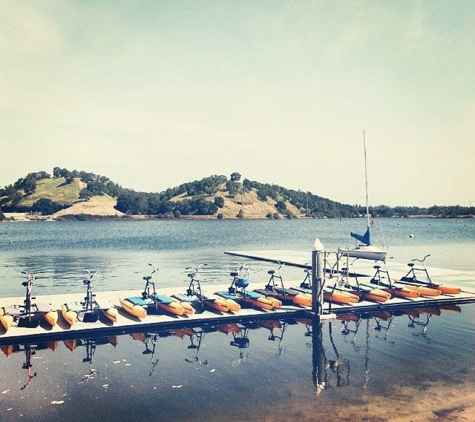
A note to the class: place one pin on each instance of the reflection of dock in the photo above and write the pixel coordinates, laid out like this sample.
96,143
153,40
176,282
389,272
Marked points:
331,366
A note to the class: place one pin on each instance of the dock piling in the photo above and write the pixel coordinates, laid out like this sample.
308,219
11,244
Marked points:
317,277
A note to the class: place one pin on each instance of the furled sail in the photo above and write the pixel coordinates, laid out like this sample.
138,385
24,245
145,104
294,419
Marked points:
365,238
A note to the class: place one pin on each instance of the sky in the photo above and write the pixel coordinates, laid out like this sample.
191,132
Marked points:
153,94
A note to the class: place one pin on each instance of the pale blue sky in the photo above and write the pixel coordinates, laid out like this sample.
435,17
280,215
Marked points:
153,94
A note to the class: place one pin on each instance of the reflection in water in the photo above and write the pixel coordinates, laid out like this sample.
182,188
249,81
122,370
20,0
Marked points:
29,351
150,341
345,355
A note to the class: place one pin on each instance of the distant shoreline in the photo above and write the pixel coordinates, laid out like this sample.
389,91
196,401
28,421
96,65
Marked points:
25,217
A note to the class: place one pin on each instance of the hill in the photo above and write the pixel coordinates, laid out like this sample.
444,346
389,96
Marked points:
80,195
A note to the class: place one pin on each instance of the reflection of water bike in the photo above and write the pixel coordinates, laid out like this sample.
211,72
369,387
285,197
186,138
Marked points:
90,345
239,293
215,303
196,340
152,302
411,280
277,290
150,340
26,315
242,342
30,351
90,308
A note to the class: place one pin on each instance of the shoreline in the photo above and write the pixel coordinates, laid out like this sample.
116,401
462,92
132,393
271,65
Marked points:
25,217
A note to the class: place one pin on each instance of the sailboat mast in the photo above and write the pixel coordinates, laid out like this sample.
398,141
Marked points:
366,178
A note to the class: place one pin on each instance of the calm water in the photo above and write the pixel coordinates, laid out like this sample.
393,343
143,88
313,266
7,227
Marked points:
263,372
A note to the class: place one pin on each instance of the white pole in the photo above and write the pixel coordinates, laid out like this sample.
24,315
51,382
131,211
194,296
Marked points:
317,277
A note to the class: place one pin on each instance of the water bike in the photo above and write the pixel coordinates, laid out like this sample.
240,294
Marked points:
400,291
411,279
151,302
213,302
286,295
340,293
90,308
30,313
238,291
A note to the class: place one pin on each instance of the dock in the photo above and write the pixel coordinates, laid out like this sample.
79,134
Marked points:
127,323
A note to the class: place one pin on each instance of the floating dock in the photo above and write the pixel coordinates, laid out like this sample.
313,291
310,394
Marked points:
203,316
127,323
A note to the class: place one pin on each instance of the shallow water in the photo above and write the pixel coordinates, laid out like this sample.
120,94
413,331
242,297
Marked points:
378,367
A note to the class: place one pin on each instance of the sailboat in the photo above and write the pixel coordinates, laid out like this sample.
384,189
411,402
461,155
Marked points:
364,249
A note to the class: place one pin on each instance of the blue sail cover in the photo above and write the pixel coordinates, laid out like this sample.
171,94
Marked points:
365,238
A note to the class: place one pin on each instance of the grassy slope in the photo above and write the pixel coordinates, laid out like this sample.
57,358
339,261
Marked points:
97,205
56,190
253,206
59,192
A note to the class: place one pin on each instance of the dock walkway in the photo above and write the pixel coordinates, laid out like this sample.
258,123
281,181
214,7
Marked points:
127,323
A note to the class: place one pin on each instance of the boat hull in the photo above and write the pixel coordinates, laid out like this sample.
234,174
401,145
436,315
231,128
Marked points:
5,320
422,290
302,299
173,307
135,310
404,293
187,307
51,317
217,304
371,253
448,290
377,295
340,297
111,314
233,306
69,315
261,303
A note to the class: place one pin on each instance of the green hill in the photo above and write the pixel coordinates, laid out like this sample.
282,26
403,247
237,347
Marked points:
80,195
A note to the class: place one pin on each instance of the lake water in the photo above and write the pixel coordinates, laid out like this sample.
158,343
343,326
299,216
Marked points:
378,367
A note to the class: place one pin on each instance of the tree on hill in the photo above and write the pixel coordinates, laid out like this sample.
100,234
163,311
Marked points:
219,201
46,206
200,198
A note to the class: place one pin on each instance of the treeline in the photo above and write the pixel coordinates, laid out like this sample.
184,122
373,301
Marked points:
161,204
200,198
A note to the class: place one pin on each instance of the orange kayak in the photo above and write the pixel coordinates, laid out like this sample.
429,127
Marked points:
448,290
340,297
217,304
133,309
422,290
302,299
